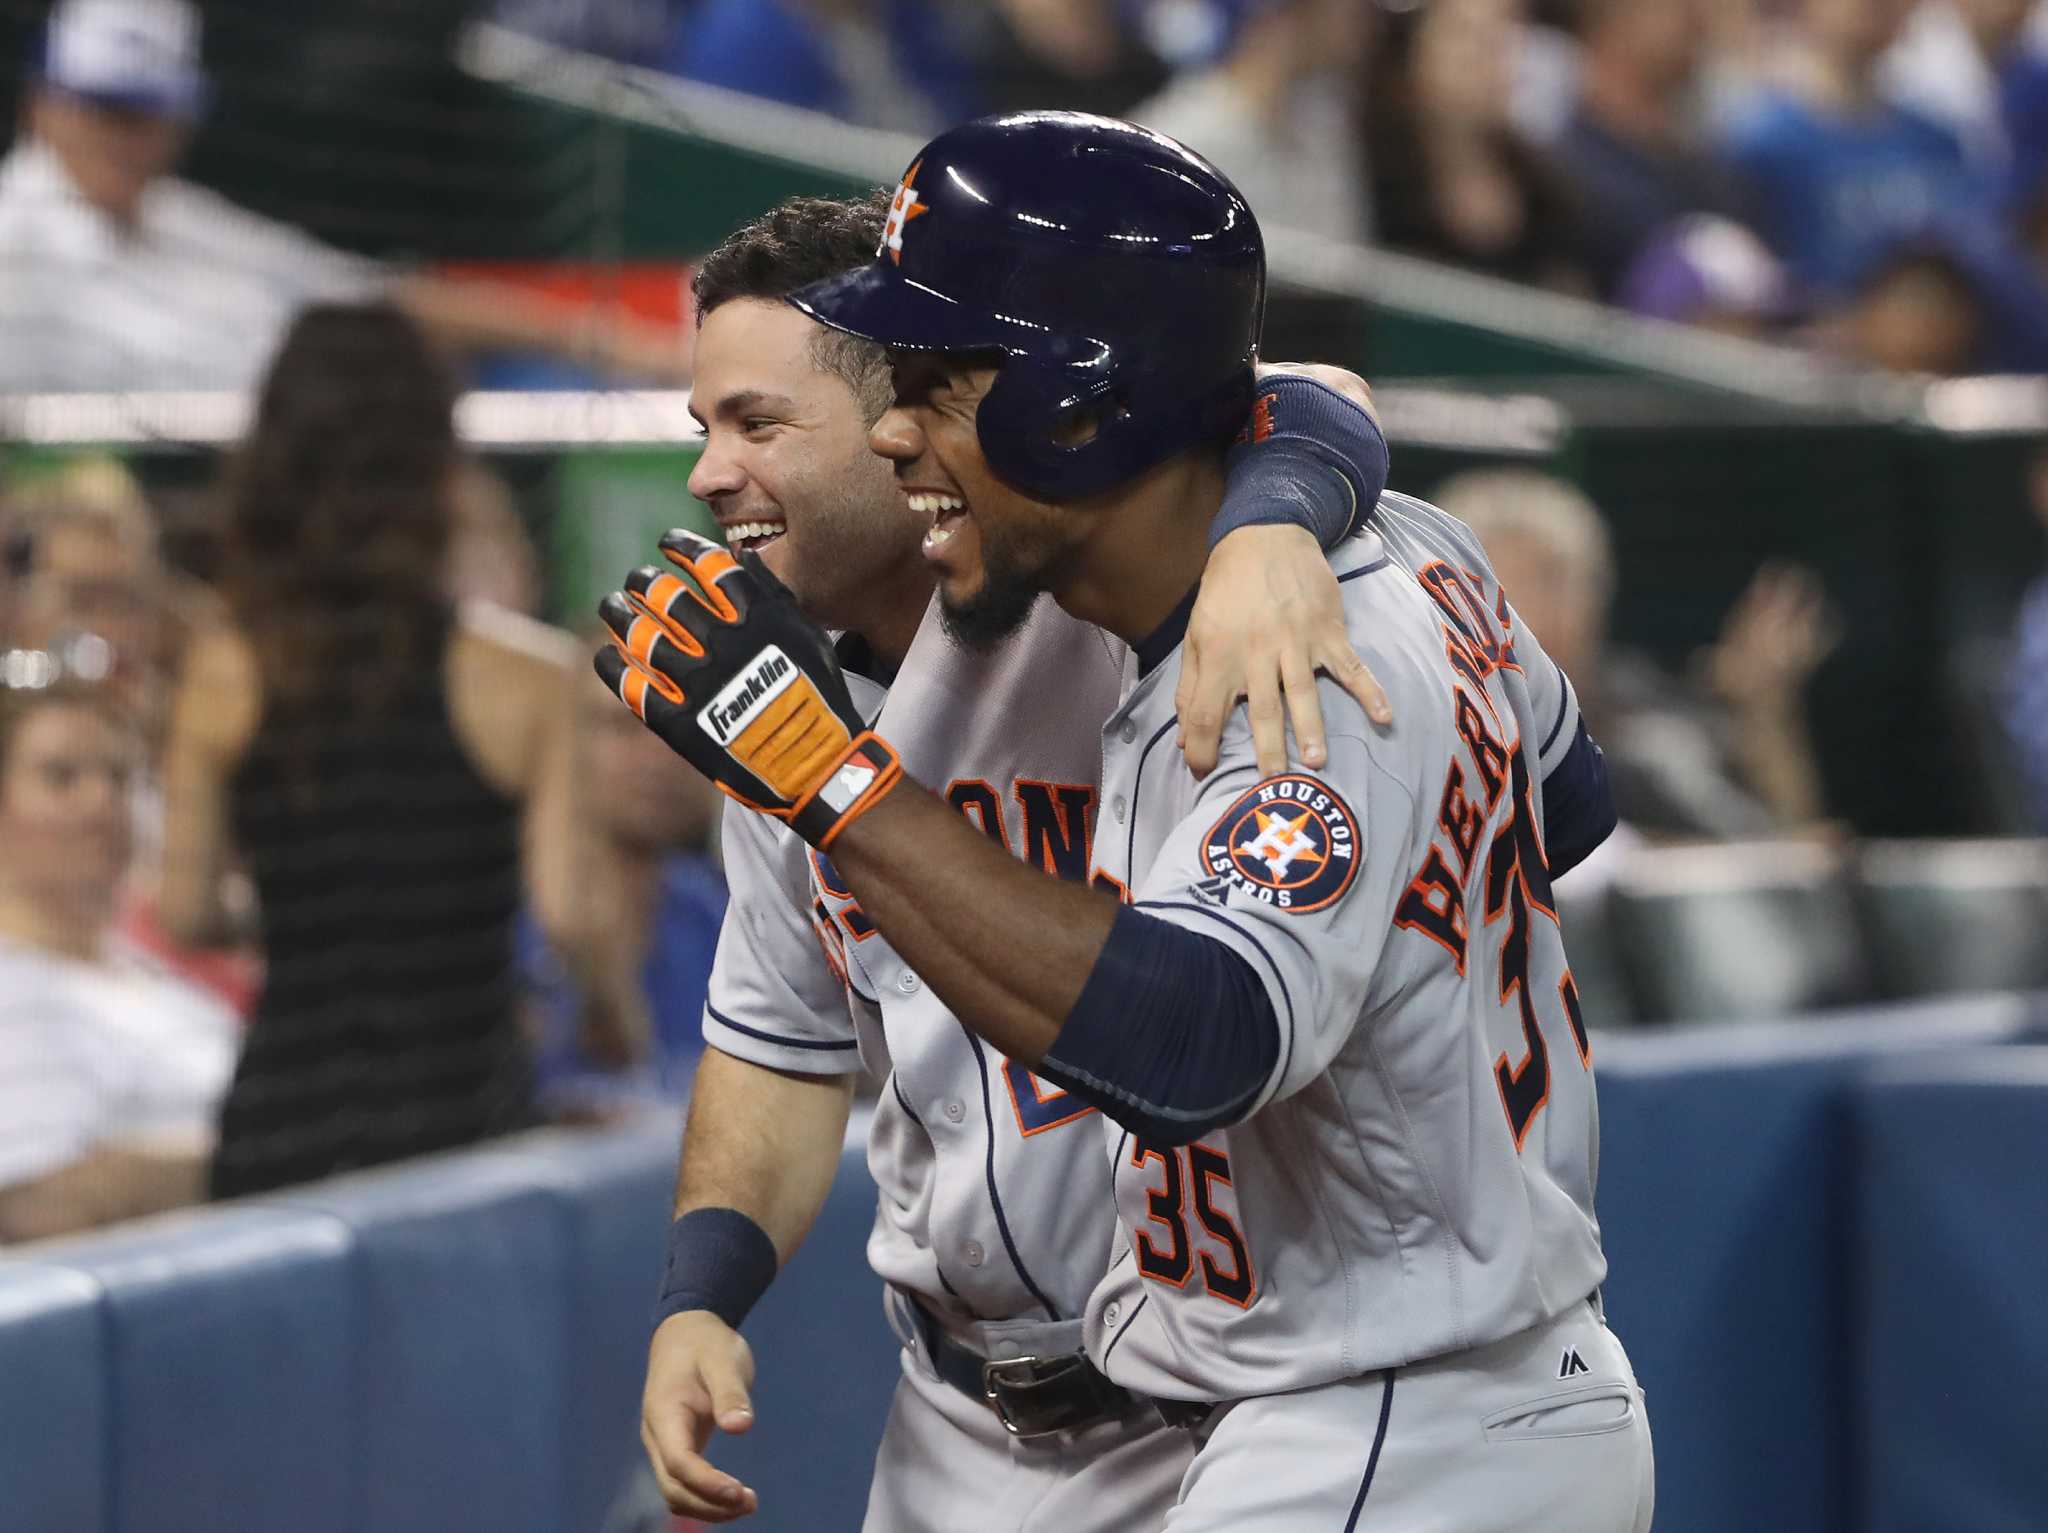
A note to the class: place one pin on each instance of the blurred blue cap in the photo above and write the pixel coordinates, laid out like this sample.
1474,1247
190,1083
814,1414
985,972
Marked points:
139,54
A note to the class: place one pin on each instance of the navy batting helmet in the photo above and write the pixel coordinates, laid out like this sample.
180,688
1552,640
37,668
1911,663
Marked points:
1121,276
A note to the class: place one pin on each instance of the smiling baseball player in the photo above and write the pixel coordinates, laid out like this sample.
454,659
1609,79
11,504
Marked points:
1329,1019
995,1219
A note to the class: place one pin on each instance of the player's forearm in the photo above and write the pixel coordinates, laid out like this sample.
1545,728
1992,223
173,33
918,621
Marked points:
1006,947
764,1142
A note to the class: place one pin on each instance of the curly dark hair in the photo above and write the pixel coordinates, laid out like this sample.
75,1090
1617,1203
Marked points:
338,509
794,244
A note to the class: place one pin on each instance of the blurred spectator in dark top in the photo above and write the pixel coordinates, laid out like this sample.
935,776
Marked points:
1711,273
1629,148
1723,756
879,63
1274,108
653,894
393,771
2026,685
1080,55
110,1069
1835,173
1451,178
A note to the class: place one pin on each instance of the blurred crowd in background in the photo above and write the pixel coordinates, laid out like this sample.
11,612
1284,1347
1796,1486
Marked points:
1866,177
319,848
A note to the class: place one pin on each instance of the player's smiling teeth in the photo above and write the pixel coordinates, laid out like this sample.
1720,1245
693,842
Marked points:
743,535
944,510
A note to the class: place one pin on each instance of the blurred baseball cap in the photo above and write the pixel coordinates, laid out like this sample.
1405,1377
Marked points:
139,54
1704,265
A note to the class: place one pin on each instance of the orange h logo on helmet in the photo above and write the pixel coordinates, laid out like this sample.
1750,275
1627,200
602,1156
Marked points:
901,211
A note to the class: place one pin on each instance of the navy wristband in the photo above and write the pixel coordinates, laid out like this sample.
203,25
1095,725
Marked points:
1311,458
718,1259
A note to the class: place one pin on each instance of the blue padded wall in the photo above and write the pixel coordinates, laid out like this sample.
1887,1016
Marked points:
458,1343
615,1191
460,1274
1952,1317
53,1401
228,1369
1725,1182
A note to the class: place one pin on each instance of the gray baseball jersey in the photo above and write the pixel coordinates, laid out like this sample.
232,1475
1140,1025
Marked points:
1416,1177
995,1201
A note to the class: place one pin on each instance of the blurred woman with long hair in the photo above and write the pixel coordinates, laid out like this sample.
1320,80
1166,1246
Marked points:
392,772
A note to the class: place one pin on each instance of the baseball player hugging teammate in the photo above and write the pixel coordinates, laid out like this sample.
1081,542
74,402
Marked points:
1315,1020
995,1219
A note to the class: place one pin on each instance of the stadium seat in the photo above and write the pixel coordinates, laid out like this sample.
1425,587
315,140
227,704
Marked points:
229,1360
1952,1337
54,1430
1950,916
616,1189
1741,931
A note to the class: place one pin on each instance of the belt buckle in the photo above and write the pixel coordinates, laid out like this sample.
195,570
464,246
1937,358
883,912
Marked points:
1004,1379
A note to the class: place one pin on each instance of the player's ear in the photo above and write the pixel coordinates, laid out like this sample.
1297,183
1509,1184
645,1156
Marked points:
1082,424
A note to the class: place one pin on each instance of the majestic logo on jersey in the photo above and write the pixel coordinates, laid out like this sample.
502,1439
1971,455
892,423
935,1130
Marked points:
1289,842
901,212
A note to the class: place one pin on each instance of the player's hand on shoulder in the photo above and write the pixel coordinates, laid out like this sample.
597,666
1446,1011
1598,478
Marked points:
1269,616
700,1372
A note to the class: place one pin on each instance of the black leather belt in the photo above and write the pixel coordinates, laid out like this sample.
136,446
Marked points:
1041,1396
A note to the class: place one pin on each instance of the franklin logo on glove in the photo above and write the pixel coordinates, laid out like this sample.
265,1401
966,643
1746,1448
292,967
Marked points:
730,710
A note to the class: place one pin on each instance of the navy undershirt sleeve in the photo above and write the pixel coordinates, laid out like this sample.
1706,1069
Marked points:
1282,472
1578,805
1173,1035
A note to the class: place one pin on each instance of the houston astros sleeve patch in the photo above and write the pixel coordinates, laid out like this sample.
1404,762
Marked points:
1290,842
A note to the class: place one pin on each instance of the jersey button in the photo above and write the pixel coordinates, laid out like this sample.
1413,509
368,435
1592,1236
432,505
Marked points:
1110,1313
955,1112
1128,733
973,1253
907,982
1117,809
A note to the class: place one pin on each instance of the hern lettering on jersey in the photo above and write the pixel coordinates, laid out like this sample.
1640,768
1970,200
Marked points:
1289,842
739,699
